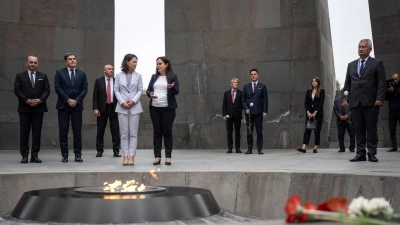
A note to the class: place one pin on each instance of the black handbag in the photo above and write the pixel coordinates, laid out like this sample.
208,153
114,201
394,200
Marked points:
311,125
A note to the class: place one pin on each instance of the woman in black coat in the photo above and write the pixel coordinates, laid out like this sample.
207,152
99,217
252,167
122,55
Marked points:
314,104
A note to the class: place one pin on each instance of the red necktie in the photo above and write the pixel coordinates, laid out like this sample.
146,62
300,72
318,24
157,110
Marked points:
108,91
254,89
233,96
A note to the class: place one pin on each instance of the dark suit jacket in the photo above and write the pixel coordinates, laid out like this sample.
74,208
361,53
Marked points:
233,109
171,92
23,90
315,105
259,98
100,95
368,88
337,110
65,90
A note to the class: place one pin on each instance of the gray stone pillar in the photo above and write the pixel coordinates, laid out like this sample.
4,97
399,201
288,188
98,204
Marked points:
211,41
49,29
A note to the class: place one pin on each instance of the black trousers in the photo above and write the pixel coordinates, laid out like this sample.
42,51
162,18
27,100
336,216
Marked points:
163,119
394,118
108,114
317,132
365,120
342,127
230,123
251,121
65,116
26,122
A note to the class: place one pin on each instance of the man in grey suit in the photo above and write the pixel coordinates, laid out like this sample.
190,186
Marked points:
366,83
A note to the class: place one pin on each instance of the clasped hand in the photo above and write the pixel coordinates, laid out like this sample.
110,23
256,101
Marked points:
311,115
33,102
128,104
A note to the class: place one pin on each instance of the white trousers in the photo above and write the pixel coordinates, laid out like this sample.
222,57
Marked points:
128,127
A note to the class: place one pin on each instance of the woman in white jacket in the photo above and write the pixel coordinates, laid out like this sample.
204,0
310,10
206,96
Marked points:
128,89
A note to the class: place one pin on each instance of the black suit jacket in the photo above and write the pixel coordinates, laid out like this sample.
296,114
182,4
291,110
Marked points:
337,110
65,90
368,88
315,105
23,90
233,109
100,95
259,98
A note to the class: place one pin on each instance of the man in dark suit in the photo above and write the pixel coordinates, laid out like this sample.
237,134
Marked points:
255,104
32,89
232,114
366,82
71,86
343,123
104,103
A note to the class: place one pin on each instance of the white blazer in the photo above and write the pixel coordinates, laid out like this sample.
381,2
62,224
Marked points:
123,93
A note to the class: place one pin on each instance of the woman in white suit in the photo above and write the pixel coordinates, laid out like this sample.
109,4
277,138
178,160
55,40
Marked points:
128,89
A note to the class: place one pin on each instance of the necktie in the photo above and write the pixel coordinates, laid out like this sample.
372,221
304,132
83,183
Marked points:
233,96
32,80
254,87
108,91
72,77
361,67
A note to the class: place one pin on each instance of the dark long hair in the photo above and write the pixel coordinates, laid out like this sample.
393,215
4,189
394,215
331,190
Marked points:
169,72
318,87
128,57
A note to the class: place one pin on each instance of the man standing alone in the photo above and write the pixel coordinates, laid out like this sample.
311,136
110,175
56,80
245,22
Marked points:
232,114
71,86
104,103
32,89
366,82
255,104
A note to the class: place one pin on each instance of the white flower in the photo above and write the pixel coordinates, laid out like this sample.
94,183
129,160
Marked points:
346,93
227,116
380,205
251,104
364,207
357,206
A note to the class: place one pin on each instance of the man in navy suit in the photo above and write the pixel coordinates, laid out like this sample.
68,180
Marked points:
255,104
232,114
32,89
104,103
366,82
71,86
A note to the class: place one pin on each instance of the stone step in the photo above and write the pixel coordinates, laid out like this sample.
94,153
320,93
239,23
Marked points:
335,144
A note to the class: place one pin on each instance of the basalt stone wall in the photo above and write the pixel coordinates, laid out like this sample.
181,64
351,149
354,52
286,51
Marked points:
49,29
385,24
211,41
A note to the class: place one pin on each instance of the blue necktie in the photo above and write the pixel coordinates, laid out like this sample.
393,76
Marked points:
72,77
361,67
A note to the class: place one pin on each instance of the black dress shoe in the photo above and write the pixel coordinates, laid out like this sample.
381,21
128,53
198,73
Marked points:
372,158
260,152
78,159
238,151
116,154
351,149
24,159
36,159
229,151
99,154
392,150
157,163
64,160
341,150
315,151
358,158
301,150
248,152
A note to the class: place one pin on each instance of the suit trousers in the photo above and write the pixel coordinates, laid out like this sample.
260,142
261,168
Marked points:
128,128
342,127
163,120
230,123
65,116
365,120
108,114
26,121
317,132
251,121
394,118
